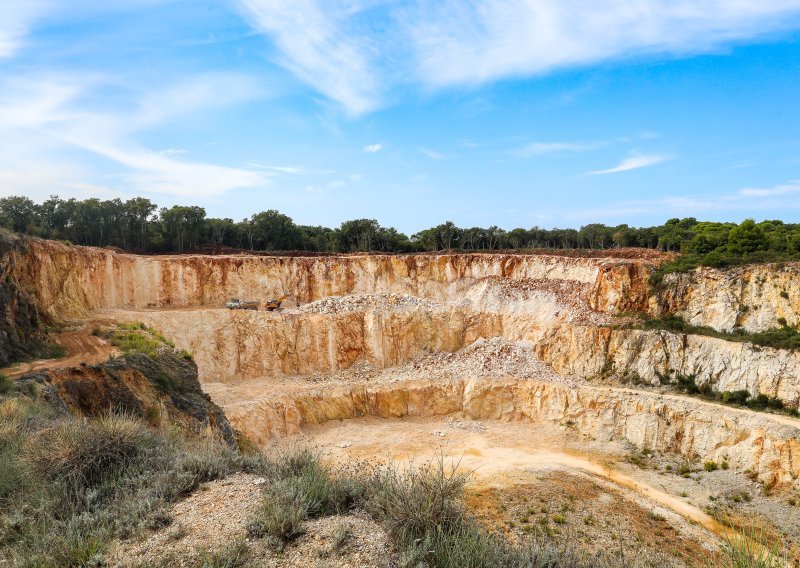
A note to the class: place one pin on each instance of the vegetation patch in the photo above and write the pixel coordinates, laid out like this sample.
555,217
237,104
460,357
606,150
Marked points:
687,384
783,337
133,338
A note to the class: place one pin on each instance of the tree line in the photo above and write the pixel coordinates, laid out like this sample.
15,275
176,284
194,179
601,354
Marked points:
139,225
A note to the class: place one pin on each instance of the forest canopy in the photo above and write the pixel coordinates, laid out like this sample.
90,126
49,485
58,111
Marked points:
139,225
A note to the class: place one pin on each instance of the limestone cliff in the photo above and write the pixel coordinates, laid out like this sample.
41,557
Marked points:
763,444
71,281
21,333
163,390
752,297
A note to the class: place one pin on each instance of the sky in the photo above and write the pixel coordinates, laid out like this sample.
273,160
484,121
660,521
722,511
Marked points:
515,113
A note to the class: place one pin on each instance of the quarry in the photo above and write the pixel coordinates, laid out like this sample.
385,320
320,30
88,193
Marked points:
534,372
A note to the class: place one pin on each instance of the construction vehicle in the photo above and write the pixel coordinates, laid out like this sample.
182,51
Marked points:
237,304
275,305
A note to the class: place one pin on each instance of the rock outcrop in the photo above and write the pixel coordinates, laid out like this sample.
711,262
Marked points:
163,390
763,444
21,333
753,297
72,282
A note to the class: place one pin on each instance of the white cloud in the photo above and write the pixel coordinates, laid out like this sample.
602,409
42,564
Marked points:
373,148
45,117
357,51
16,21
634,162
744,201
783,189
432,154
323,45
173,152
540,148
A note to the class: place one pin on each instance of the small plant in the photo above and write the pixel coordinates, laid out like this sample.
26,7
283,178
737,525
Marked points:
710,466
559,519
342,536
784,294
6,384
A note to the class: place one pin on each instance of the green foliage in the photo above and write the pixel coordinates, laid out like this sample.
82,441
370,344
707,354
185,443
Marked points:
760,402
783,337
6,384
69,486
137,224
132,338
747,548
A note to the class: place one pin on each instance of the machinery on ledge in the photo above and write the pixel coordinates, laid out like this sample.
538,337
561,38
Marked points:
237,304
275,305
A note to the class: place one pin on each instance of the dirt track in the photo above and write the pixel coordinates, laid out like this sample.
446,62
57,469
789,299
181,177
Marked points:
81,347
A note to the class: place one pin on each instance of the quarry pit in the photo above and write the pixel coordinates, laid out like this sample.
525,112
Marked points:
530,370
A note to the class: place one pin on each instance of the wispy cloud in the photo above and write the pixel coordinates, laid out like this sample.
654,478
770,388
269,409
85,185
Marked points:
372,148
634,162
49,115
539,148
323,44
783,189
432,154
355,52
16,22
744,201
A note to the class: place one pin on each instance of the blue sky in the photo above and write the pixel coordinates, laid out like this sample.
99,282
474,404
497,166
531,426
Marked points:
494,112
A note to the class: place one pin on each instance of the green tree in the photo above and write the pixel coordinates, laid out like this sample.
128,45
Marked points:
747,238
17,213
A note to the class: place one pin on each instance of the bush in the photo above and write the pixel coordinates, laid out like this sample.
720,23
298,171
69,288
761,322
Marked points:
6,384
418,503
710,466
82,455
280,514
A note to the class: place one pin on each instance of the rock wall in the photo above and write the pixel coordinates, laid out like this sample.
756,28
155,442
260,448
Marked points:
763,444
162,390
71,281
236,345
21,333
589,352
751,297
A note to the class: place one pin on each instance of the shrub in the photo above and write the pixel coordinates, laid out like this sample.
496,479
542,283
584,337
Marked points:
280,514
82,455
418,503
710,466
6,384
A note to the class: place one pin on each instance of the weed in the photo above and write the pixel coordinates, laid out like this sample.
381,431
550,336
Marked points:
710,466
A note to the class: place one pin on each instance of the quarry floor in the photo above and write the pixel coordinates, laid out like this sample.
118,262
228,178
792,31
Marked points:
530,480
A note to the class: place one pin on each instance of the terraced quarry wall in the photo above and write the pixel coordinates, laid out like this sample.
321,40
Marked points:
389,311
71,281
752,297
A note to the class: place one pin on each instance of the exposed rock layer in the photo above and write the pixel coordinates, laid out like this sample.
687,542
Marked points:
163,390
765,445
71,282
753,297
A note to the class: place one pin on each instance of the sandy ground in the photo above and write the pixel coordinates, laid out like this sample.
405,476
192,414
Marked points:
81,347
512,455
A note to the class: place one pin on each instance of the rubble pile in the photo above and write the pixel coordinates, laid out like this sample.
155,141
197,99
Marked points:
493,358
391,301
570,296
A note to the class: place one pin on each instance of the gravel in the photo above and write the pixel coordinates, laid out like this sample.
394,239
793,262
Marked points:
391,301
493,358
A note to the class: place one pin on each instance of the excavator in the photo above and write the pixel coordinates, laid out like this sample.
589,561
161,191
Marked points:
275,305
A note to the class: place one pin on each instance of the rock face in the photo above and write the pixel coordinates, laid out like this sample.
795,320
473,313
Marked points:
163,390
71,282
745,440
20,326
751,297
